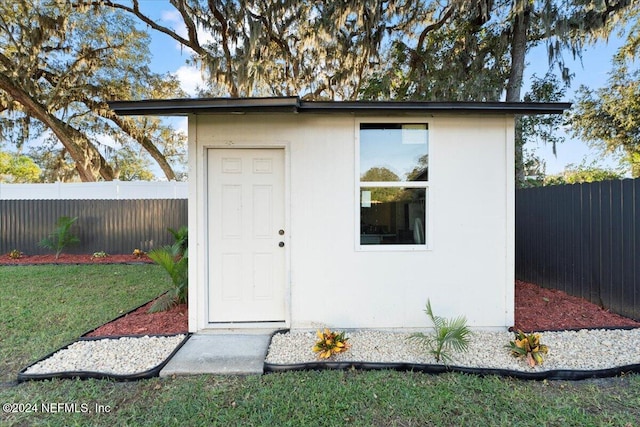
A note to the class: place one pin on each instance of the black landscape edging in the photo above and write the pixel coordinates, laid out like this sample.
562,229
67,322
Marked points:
556,374
150,373
26,377
591,328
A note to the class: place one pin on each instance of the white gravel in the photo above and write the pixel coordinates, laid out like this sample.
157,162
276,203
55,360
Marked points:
584,350
571,350
119,356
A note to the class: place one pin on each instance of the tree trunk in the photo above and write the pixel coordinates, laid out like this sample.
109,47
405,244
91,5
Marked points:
522,14
102,109
153,151
88,161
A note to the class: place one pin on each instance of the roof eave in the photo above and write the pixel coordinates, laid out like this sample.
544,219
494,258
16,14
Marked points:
295,105
438,107
204,105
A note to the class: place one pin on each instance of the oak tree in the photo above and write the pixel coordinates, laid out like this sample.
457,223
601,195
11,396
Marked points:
399,49
59,64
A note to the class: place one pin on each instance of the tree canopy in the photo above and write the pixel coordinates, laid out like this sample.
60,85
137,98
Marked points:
61,60
382,49
609,117
577,174
426,49
18,169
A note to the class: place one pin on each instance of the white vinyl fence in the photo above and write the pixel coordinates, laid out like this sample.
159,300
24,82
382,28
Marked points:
108,190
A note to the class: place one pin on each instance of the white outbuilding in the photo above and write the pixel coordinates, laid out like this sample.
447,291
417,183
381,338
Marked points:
348,214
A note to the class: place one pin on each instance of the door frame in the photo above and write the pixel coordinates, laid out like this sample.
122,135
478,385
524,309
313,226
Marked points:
204,284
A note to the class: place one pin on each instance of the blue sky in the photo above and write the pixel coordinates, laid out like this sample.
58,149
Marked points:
592,71
168,56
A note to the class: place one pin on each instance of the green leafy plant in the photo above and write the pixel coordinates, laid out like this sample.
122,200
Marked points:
529,347
449,334
15,254
181,236
100,254
61,237
174,260
330,343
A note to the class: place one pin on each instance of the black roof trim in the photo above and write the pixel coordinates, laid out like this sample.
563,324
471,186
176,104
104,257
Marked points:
296,105
407,106
204,105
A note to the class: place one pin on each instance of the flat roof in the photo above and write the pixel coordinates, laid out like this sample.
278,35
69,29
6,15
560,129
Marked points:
293,104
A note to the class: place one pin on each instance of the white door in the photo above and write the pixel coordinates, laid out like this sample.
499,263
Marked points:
246,235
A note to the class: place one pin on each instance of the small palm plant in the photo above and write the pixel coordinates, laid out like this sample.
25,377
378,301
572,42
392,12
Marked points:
175,262
61,237
450,334
181,236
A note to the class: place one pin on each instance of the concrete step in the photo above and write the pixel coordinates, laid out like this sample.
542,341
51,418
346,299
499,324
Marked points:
220,353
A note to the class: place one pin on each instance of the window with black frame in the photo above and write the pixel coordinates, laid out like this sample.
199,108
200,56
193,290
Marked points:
393,185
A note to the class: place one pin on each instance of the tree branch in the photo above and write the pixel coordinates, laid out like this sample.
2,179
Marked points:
435,26
192,42
127,126
86,157
415,53
224,33
275,38
101,109
73,67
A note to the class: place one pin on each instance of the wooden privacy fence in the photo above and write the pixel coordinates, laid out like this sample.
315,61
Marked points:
112,226
583,239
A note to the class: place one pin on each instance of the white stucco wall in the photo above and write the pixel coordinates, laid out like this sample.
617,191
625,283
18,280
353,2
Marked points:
467,270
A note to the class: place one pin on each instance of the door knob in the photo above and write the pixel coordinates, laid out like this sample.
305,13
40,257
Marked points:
281,244
281,232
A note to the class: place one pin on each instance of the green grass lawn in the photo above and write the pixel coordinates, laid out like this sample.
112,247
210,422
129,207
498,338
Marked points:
45,307
42,308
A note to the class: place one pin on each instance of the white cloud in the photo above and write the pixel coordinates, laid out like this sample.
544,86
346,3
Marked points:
174,21
181,124
190,79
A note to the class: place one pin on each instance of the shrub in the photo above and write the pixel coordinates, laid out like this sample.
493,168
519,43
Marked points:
528,346
330,343
174,260
181,236
176,264
449,334
15,254
138,253
100,254
61,237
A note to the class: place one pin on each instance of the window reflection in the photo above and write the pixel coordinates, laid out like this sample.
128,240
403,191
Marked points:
393,216
393,152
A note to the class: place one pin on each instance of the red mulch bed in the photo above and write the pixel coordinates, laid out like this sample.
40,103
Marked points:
72,259
140,322
539,309
536,308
